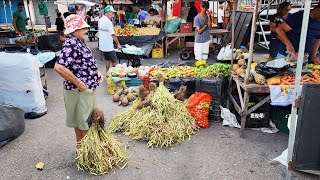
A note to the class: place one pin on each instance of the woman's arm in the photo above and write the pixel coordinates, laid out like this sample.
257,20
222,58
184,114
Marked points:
68,75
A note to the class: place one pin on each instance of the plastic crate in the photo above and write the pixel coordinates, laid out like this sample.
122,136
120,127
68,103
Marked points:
214,88
134,82
8,34
186,27
157,53
49,42
257,119
10,40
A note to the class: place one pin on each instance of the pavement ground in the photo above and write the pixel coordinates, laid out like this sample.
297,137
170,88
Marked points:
214,153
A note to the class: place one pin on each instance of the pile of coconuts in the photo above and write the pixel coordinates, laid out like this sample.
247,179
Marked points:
125,96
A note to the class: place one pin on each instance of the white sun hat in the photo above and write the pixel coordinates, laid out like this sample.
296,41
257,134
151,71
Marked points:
74,22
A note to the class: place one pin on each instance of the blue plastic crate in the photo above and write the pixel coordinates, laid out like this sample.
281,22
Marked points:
134,82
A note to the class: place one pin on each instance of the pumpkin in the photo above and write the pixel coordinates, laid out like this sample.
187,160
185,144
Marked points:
273,81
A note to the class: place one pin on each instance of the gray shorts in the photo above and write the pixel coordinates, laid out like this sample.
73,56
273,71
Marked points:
111,56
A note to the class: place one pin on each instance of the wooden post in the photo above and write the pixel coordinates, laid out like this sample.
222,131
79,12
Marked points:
243,116
165,14
232,28
253,32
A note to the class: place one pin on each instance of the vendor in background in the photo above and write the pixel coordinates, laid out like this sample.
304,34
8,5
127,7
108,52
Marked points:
289,34
193,12
59,23
152,20
275,21
89,15
160,10
202,23
18,21
130,15
142,15
79,68
155,12
121,15
220,16
107,36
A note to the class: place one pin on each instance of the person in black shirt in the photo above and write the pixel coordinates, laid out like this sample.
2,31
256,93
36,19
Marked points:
193,12
59,23
89,16
275,21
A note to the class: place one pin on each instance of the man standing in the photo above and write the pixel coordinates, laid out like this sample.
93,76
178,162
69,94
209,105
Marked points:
220,16
202,23
289,33
107,36
142,15
18,21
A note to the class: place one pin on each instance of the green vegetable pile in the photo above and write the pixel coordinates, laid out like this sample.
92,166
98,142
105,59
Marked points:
163,123
99,151
216,70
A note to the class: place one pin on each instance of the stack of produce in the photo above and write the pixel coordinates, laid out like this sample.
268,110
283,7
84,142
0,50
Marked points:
99,151
286,79
122,69
125,96
239,69
126,31
174,71
216,70
156,117
133,31
148,31
25,41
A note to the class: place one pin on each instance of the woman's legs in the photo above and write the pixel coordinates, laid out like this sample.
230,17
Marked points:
79,134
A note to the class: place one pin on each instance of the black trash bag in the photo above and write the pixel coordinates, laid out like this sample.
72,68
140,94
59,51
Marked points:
269,72
12,123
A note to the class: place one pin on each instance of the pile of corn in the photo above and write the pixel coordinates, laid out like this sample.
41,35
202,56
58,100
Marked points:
99,151
163,123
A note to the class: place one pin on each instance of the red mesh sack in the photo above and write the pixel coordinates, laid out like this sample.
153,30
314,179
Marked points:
198,105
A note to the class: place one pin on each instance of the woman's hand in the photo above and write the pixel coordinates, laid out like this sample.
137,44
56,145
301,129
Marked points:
81,86
100,77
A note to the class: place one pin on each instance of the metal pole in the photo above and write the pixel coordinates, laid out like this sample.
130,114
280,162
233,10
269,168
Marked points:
10,5
253,32
303,36
234,5
5,11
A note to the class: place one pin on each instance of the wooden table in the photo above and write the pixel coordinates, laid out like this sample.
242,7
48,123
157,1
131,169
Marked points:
176,36
242,108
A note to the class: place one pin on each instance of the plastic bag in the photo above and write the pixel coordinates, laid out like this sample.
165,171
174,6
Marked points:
20,83
12,123
269,72
225,53
172,25
198,105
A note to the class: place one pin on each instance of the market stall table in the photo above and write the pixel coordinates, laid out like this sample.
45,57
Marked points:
250,88
175,36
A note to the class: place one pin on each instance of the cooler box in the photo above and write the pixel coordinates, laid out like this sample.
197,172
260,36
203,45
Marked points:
186,27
